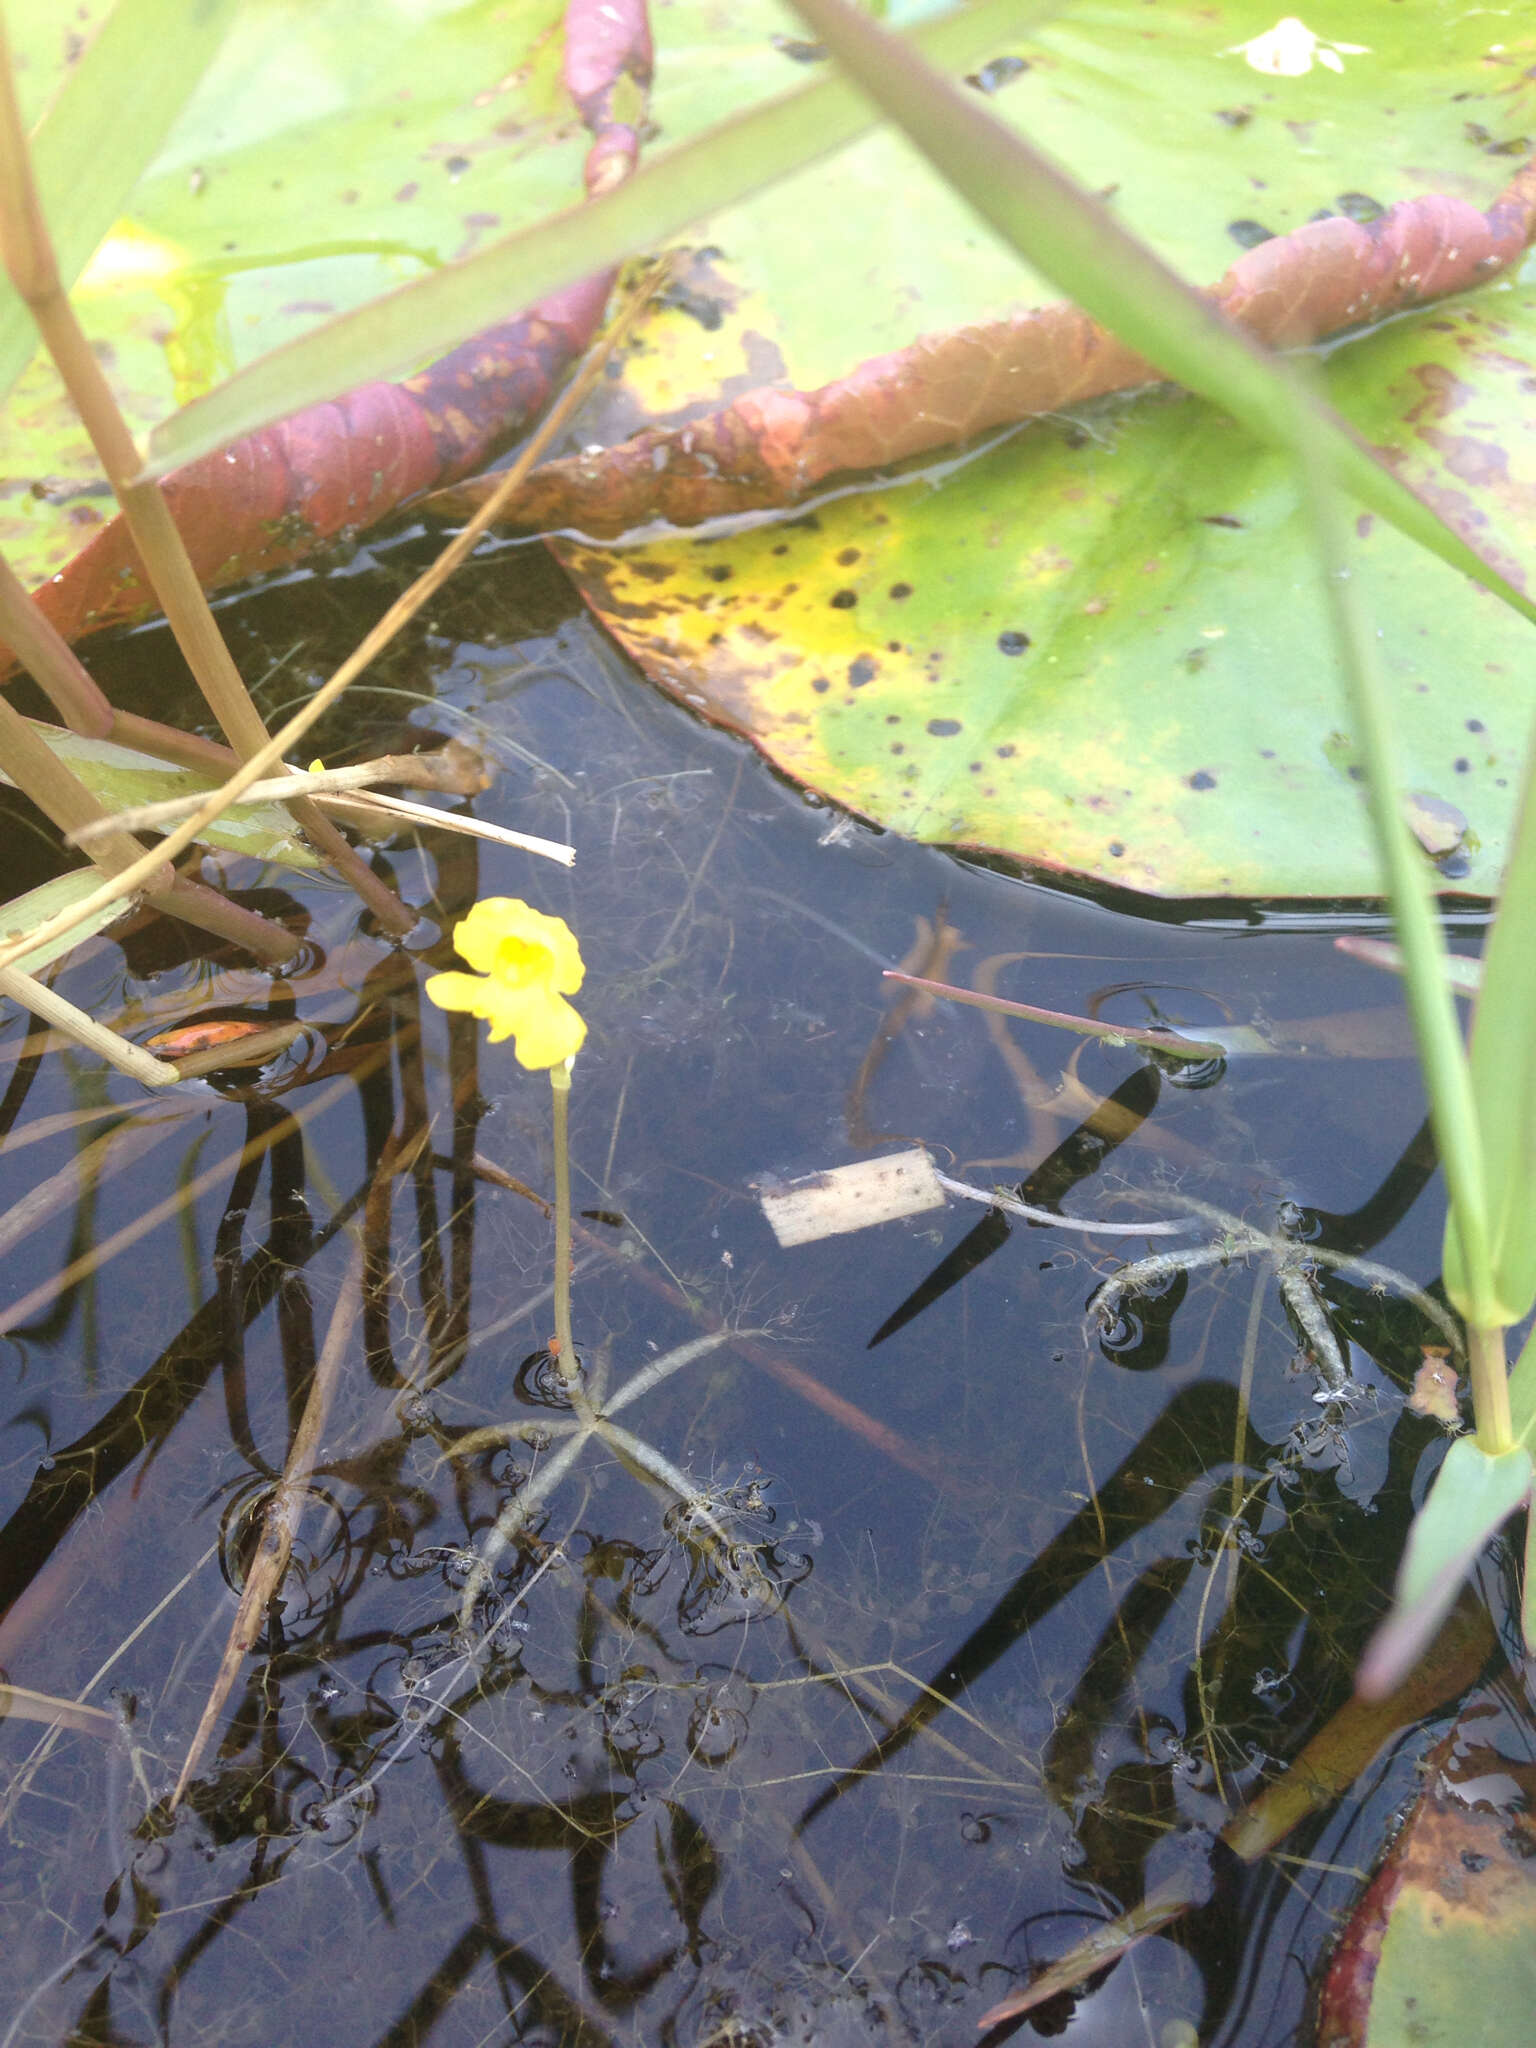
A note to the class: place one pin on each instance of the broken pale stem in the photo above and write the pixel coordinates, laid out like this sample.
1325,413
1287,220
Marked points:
146,817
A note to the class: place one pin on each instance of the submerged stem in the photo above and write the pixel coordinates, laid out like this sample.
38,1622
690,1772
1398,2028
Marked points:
567,1366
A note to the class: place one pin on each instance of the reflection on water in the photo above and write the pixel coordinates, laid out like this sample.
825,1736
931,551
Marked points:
946,1644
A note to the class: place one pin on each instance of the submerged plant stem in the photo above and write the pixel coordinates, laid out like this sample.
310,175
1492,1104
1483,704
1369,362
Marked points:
566,1363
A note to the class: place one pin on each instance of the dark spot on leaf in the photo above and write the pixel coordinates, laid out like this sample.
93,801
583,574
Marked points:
1200,780
994,76
1233,117
1355,772
699,306
1221,519
975,767
1481,463
844,600
1266,753
806,523
943,728
1517,145
1461,764
1249,233
719,572
1196,659
1116,848
1359,206
900,590
862,671
717,639
1476,725
655,572
456,166
848,556
820,684
898,747
893,647
797,51
893,718
1364,524
782,548
1012,643
1006,751
407,192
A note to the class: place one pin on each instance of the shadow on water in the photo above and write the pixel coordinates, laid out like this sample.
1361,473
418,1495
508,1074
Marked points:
982,1606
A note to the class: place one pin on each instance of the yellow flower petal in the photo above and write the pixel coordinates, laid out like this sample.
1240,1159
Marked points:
544,1029
455,991
528,963
509,938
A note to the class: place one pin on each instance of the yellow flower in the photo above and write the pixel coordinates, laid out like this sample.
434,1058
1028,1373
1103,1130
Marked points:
527,964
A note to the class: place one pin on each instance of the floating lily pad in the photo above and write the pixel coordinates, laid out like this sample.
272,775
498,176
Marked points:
1100,647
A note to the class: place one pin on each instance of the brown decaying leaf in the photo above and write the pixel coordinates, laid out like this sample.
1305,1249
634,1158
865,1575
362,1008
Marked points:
335,469
771,446
1465,1850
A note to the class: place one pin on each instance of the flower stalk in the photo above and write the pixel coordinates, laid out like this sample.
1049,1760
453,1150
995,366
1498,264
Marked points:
563,1350
526,964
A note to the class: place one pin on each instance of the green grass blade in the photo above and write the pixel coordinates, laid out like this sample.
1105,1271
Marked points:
1087,254
1472,1496
1504,1080
397,333
1437,1031
104,128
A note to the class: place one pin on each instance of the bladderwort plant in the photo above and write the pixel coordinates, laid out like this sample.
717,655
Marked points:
526,965
1482,1101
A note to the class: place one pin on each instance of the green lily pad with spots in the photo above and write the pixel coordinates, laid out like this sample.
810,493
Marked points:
1100,648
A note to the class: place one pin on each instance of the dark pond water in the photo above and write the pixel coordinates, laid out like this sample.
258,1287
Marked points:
1014,1605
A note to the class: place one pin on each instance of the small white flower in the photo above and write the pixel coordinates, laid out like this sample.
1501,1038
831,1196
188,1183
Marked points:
1290,48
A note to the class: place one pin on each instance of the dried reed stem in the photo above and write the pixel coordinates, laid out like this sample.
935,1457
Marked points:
28,252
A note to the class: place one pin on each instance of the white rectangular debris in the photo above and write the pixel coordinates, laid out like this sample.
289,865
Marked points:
852,1197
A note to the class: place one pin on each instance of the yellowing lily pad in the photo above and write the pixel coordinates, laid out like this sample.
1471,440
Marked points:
1100,647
